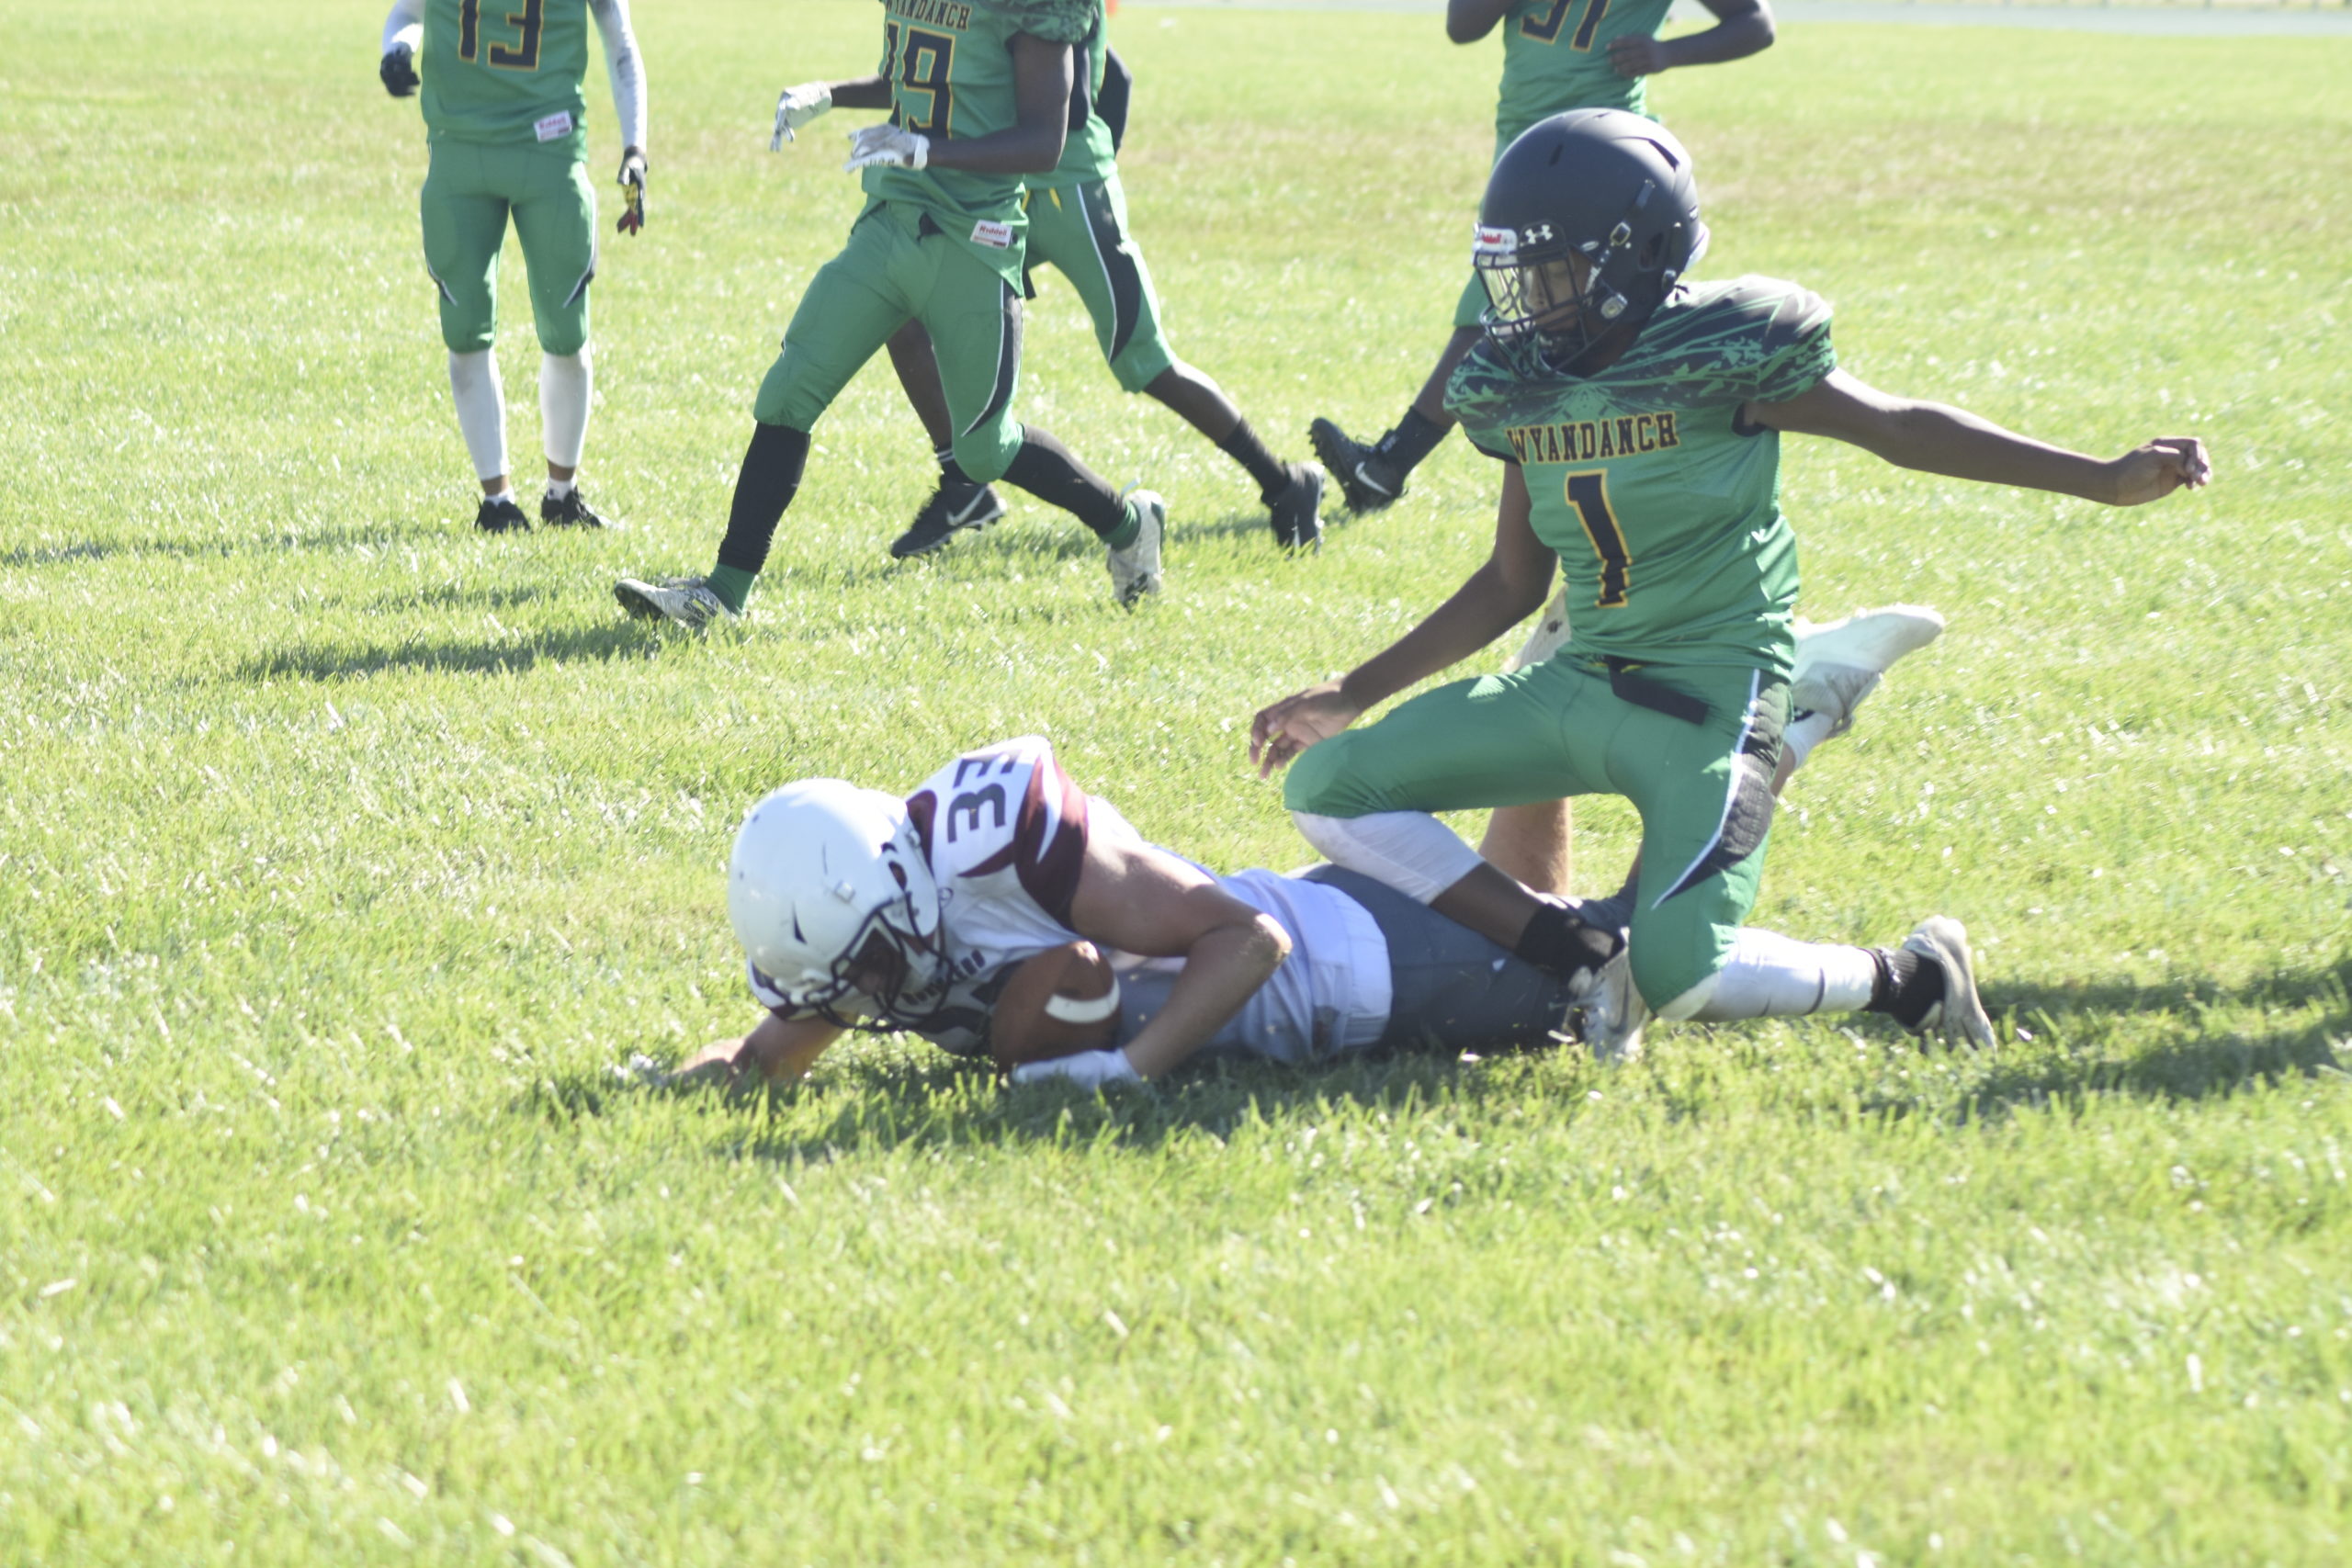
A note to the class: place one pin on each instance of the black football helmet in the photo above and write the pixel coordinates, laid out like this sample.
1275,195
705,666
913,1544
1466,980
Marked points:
1590,220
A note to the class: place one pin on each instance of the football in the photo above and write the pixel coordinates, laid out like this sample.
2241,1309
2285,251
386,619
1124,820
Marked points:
1058,1003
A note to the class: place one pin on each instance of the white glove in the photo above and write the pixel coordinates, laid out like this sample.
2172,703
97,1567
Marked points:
888,144
796,106
1087,1069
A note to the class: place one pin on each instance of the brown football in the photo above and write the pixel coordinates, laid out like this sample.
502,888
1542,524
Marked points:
1058,1002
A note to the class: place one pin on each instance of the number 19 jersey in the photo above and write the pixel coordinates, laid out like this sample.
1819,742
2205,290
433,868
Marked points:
1664,508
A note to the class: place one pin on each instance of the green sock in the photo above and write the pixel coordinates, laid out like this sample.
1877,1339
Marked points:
733,585
1129,529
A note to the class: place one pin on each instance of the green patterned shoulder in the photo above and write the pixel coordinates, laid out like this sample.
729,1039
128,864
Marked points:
1748,338
1055,21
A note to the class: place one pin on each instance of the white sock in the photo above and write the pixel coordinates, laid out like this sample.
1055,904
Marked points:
559,488
1410,851
1770,976
481,409
566,381
1801,738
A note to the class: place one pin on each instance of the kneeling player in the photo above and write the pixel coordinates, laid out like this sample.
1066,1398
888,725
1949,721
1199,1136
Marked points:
1637,419
857,908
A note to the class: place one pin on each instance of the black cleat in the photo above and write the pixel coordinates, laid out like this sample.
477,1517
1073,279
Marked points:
500,514
1369,480
952,509
1297,508
571,512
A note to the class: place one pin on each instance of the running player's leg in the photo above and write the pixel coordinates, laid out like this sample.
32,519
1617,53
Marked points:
959,501
555,219
1080,230
973,313
852,306
1372,473
464,221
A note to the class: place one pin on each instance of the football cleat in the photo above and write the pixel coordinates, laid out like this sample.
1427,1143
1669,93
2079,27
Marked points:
1551,631
684,601
502,515
1606,1010
1297,509
1841,663
952,507
1960,1016
1135,571
1369,480
571,512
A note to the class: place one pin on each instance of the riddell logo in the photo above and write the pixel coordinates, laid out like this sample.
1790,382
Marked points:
1486,242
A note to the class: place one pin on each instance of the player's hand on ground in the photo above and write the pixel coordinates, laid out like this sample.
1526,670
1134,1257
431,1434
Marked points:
399,71
1637,55
796,106
2163,465
632,179
718,1064
888,144
1281,730
1087,1069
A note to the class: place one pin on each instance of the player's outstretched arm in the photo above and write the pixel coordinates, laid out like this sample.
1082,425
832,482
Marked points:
777,1050
1467,21
1742,27
1507,587
1033,145
1937,438
1145,901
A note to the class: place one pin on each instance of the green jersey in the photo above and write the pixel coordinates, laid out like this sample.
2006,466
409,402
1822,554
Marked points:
1556,58
949,64
1664,508
506,71
1088,155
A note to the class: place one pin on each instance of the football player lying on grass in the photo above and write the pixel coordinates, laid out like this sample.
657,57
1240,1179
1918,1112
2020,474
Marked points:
955,913
1637,418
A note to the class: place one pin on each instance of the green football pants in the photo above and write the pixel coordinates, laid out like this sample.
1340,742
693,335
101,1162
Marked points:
1567,727
1080,230
470,190
897,265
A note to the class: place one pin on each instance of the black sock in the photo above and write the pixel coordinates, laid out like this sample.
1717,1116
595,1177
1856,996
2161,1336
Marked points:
772,468
1244,447
950,472
1045,468
1909,987
1413,439
1556,942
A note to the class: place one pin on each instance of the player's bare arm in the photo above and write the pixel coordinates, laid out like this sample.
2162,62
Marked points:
1140,900
1467,21
1042,76
1508,586
1742,27
1937,438
777,1050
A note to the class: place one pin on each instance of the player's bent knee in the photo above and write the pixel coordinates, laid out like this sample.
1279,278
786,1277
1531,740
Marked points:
1318,782
1135,371
984,455
1687,1004
564,342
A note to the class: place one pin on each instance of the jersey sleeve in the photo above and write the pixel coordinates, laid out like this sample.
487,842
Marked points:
1006,825
1480,393
624,67
1775,343
1055,21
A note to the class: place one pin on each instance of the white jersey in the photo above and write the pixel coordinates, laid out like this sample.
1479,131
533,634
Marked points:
1005,833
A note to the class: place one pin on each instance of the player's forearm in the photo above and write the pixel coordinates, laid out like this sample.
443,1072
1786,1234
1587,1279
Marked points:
1467,21
1937,438
1736,39
1481,610
1224,969
861,93
1026,149
625,68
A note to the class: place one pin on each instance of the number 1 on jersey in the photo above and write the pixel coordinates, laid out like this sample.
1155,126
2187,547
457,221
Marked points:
1587,492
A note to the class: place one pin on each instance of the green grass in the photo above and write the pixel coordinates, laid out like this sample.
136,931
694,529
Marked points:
344,852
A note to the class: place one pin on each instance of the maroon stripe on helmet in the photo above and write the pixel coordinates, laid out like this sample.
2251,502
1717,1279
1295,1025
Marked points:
1048,847
922,806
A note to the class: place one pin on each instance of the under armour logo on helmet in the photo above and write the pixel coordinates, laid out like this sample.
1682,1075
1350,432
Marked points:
1536,234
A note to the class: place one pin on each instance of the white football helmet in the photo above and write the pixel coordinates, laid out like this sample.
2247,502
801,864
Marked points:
822,873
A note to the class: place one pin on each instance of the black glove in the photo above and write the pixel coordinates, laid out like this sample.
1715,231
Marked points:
398,71
632,178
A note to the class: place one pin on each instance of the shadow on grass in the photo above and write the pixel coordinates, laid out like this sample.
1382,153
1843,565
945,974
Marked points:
620,639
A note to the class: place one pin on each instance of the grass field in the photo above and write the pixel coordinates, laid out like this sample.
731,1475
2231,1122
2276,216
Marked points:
344,852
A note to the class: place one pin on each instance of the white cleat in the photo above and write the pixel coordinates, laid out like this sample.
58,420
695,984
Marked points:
1551,631
1960,1018
1840,664
1607,1011
1135,571
683,601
